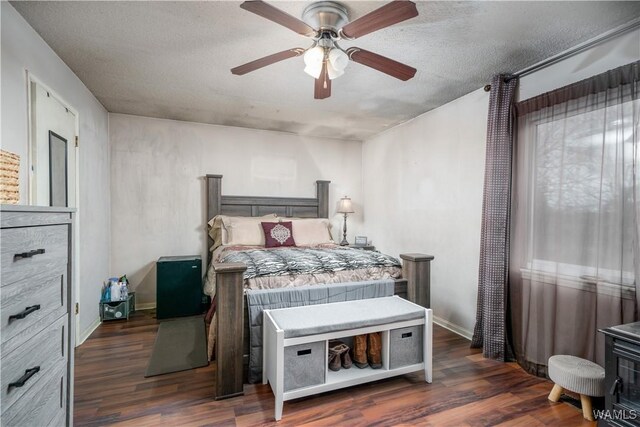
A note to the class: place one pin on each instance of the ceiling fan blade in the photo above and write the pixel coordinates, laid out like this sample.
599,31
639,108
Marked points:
322,88
278,16
385,16
381,63
267,60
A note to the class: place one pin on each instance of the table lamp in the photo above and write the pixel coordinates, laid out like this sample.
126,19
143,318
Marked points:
345,208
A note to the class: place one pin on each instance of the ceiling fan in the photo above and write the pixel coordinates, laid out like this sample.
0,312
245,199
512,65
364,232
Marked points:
327,22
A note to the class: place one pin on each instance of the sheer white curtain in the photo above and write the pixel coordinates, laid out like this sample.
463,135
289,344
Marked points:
574,259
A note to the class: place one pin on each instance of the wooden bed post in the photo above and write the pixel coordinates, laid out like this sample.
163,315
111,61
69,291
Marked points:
322,194
229,277
416,269
214,197
229,344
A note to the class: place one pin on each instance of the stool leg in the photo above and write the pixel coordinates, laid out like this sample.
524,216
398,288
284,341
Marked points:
587,412
554,396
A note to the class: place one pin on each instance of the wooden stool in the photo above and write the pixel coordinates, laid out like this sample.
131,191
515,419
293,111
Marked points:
579,376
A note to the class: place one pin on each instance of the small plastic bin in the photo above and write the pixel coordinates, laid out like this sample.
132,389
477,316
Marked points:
117,310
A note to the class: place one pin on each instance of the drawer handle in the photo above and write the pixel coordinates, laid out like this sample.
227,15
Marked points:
407,335
28,254
23,379
27,311
304,352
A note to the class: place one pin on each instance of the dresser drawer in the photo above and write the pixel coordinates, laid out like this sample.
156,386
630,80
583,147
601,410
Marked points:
60,419
43,403
25,219
39,300
25,251
44,352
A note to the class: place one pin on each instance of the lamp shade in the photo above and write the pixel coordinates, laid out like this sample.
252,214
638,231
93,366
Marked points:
345,205
313,59
313,70
333,72
338,59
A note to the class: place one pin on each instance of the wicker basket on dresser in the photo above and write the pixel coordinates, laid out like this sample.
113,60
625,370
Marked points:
37,330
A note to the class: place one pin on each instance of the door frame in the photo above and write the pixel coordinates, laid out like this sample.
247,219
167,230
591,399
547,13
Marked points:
30,78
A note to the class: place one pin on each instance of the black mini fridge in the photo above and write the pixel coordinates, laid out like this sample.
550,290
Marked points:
178,286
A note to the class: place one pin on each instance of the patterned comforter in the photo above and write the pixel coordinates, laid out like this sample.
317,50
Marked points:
261,262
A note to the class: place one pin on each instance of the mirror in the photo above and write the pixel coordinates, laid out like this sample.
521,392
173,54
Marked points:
57,170
53,145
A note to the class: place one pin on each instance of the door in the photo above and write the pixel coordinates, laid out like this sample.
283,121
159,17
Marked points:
53,150
53,167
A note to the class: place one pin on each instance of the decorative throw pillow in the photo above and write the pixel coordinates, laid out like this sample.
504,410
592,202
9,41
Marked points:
277,234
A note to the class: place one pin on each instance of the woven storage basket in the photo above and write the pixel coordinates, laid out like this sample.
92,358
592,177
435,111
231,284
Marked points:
9,177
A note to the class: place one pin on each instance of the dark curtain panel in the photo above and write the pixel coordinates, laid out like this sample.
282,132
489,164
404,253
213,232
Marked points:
576,203
490,331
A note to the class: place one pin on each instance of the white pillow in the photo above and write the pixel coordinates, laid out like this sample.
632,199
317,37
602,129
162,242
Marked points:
311,231
217,232
245,230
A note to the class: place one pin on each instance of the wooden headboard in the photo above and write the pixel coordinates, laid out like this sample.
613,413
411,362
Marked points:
218,204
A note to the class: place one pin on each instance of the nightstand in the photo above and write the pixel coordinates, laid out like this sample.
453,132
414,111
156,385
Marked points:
363,247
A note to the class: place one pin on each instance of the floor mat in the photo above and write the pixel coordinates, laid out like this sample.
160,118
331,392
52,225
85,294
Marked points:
181,344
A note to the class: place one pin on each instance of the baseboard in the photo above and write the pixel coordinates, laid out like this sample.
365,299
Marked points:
453,327
84,335
146,306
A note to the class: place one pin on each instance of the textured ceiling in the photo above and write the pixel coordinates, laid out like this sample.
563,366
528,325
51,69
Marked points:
172,59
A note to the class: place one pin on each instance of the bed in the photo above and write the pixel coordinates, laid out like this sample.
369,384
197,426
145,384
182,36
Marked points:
232,269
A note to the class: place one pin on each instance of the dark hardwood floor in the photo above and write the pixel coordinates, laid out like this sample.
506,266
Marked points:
467,390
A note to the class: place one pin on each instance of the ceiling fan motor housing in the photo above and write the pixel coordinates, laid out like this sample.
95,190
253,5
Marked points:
326,16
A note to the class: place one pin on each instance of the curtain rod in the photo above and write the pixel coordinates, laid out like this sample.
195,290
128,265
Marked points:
629,26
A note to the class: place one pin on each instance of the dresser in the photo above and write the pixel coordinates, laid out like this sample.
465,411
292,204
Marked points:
37,330
622,376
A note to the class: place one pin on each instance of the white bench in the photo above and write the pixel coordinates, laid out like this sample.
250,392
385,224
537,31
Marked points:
295,344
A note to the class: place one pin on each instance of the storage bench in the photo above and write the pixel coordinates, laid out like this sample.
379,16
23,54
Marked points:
296,340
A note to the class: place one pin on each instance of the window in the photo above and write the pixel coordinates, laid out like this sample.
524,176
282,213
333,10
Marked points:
582,194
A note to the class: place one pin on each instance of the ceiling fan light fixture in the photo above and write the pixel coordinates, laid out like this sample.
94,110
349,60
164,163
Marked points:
313,70
327,22
313,59
314,56
338,59
333,72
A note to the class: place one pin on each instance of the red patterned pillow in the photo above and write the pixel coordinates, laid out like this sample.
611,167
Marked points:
277,234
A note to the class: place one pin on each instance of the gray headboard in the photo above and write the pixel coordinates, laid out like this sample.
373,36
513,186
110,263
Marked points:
218,204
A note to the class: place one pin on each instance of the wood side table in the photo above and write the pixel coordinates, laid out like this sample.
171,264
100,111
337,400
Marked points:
363,247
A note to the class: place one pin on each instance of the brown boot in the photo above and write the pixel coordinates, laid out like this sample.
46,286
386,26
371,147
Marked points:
374,350
334,361
346,359
360,351
336,349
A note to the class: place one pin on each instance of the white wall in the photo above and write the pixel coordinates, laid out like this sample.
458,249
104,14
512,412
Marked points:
423,193
158,190
423,181
23,49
